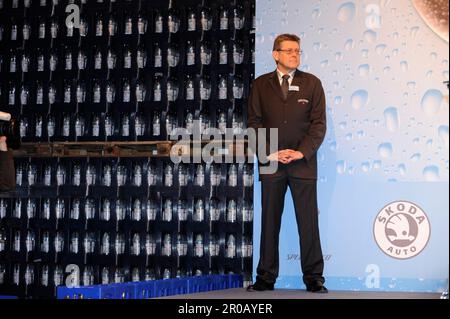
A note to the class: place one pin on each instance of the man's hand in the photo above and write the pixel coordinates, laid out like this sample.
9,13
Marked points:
3,146
285,156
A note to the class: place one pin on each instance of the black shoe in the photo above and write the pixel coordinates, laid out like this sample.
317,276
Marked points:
260,285
317,287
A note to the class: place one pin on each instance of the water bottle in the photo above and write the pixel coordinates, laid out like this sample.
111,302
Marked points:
140,91
99,26
214,175
182,212
213,246
191,20
189,125
182,175
203,120
24,93
41,61
60,175
54,29
167,274
53,61
205,20
139,125
79,125
74,243
16,245
248,176
237,123
126,91
151,210
59,242
205,89
112,26
105,276
105,244
120,210
157,90
136,246
128,25
89,208
111,59
106,210
150,245
223,53
52,98
58,276
149,274
90,175
119,244
238,54
39,93
173,22
29,275
125,126
46,211
31,208
88,276
106,180
168,175
137,175
141,58
83,27
81,60
97,92
199,214
16,274
135,276
142,23
121,175
198,245
67,92
42,29
159,21
173,57
156,124
3,207
231,211
190,89
181,245
172,90
232,175
200,175
67,59
60,209
247,212
205,54
190,53
127,57
26,30
44,276
32,174
12,96
98,59
158,56
167,213
137,212
45,245
223,16
231,247
238,18
75,212
167,245
25,62
214,210
110,92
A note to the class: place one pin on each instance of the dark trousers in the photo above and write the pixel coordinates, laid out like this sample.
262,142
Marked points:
304,195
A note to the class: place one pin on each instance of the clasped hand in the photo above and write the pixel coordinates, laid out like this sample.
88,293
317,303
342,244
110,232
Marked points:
285,156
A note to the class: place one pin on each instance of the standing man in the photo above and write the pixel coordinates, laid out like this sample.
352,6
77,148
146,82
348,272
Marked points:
293,102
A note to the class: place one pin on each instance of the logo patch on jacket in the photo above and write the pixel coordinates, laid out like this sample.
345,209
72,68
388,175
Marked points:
302,101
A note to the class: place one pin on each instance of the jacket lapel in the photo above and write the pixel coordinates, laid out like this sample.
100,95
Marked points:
276,85
295,82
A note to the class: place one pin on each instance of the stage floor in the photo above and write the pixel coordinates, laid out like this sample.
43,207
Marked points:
240,293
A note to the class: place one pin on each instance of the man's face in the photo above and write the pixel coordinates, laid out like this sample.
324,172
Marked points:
288,55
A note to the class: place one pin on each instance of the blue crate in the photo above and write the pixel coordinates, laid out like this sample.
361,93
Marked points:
124,291
86,292
163,288
180,286
8,297
145,289
220,282
235,281
198,284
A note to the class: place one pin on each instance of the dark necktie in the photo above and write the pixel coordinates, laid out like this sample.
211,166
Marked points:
285,85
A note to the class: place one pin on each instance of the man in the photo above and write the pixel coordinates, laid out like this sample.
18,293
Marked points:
293,102
7,172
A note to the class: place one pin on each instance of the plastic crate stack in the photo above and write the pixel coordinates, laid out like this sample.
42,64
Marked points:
133,71
153,289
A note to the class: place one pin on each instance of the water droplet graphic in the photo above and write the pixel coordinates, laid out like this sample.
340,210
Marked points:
380,49
443,134
341,167
411,85
343,125
433,55
414,31
364,70
431,173
349,136
402,169
316,13
365,53
346,12
386,70
392,119
377,164
338,100
431,102
415,157
370,36
359,99
365,166
349,44
385,150
338,56
317,46
404,66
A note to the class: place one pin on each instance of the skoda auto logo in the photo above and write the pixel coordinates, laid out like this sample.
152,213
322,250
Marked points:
401,229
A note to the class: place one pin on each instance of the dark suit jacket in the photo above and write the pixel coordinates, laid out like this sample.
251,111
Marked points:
300,119
7,172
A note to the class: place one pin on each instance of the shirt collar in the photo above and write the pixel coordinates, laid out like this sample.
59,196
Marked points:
280,74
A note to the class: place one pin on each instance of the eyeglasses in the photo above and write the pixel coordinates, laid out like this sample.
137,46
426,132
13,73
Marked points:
290,51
